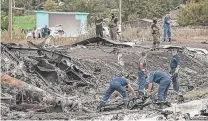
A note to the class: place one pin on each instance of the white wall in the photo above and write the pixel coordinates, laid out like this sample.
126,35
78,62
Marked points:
69,23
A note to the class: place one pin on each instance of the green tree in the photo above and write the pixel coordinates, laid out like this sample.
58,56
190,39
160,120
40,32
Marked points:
194,14
4,21
133,9
4,6
50,5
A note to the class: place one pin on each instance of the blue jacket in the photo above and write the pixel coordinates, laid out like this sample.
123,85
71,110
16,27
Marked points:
174,61
159,77
120,80
166,19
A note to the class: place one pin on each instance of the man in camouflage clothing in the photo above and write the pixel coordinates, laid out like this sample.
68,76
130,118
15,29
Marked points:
113,27
99,26
155,34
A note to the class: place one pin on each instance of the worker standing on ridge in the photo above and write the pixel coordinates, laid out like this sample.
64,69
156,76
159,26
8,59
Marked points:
113,27
163,79
155,34
167,28
142,73
174,68
118,84
99,26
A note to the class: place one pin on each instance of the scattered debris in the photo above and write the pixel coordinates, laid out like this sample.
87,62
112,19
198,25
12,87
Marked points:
104,41
205,42
193,108
68,82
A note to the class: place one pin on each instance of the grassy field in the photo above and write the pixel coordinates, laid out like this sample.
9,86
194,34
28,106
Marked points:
25,22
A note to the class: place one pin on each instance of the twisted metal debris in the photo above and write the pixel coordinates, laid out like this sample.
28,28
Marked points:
72,81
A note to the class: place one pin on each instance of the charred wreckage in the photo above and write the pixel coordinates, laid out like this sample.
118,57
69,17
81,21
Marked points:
47,80
37,82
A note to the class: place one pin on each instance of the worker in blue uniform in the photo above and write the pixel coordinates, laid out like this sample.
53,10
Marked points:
118,84
45,31
167,27
161,78
174,68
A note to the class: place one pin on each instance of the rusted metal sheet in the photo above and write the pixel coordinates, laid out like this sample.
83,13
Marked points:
45,96
10,80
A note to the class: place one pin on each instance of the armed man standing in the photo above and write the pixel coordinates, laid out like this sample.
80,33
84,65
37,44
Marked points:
155,34
99,27
113,27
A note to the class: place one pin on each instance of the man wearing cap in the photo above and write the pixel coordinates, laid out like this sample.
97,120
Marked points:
161,78
118,84
167,29
155,34
174,68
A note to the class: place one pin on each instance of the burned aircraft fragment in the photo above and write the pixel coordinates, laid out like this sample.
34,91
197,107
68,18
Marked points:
61,79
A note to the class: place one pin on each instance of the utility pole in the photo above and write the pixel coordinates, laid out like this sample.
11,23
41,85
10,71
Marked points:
120,13
10,19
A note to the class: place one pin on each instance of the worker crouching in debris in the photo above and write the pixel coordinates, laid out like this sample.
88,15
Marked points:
163,79
174,68
118,84
113,27
142,73
155,34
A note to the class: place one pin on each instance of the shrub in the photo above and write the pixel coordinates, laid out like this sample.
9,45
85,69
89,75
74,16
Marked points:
4,21
194,14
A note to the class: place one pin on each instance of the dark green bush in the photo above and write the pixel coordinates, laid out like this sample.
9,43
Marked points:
194,14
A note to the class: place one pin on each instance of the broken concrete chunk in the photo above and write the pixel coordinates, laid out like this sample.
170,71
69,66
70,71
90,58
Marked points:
193,107
190,70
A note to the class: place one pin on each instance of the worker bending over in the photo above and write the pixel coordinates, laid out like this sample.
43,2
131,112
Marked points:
118,84
161,78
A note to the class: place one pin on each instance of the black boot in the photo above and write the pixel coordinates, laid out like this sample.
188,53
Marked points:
124,106
169,40
161,105
100,108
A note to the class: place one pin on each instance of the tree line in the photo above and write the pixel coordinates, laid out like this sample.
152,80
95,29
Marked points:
131,9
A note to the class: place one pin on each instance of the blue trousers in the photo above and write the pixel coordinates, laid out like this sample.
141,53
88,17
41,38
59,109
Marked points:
175,80
167,30
115,86
163,91
141,81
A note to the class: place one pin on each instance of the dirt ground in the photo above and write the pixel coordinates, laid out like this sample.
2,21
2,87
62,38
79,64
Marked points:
105,59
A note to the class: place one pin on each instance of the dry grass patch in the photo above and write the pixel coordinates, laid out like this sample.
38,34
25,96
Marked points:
196,93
